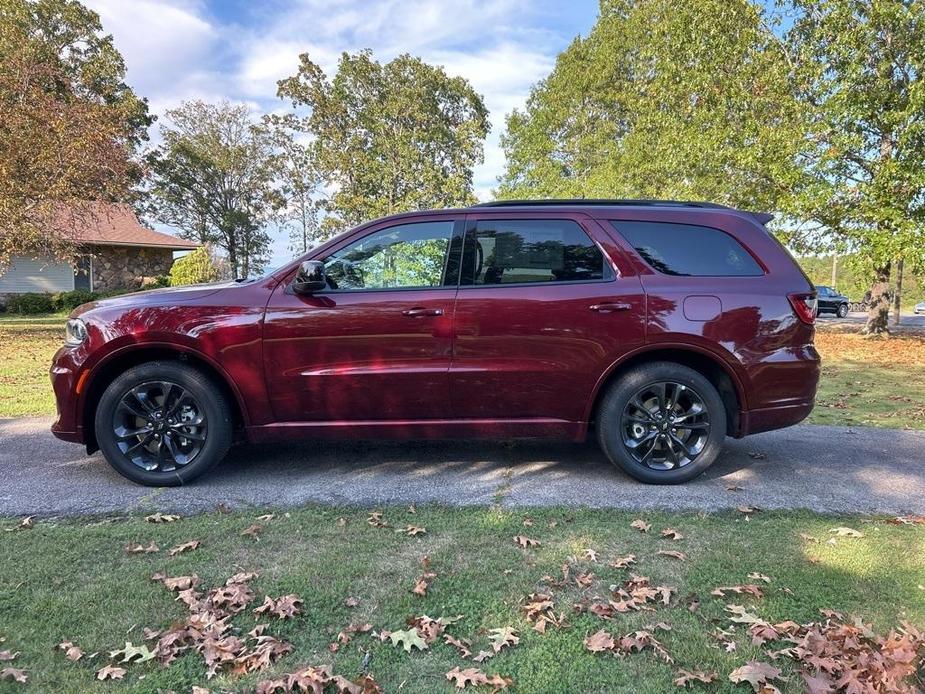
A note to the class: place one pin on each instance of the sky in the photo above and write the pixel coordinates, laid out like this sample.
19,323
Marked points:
177,50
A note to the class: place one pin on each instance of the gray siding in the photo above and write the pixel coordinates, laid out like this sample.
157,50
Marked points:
29,275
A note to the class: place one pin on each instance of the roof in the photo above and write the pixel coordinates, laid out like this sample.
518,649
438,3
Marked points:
114,224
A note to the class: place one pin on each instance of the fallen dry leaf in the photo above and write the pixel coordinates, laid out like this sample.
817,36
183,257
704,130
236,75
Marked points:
525,542
672,534
733,488
755,673
590,555
748,509
26,523
162,518
8,656
253,531
755,576
375,519
460,645
141,549
132,654
623,562
71,652
412,530
672,553
747,589
266,518
527,522
408,639
284,607
185,547
502,638
110,673
341,522
351,602
907,520
477,678
685,677
14,674
641,525
600,641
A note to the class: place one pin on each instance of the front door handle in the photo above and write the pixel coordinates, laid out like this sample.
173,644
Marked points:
608,307
420,311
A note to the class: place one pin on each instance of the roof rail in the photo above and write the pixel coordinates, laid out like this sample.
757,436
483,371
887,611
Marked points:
600,202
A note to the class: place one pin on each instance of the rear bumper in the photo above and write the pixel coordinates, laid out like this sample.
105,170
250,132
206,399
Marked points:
770,418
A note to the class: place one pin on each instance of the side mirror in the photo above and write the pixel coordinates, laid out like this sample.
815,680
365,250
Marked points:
310,278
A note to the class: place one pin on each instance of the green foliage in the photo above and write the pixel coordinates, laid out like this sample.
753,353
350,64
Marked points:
665,100
69,123
197,267
388,138
68,301
213,177
158,282
29,304
860,68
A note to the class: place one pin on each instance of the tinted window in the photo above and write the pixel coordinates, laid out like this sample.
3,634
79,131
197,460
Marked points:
510,251
404,256
687,249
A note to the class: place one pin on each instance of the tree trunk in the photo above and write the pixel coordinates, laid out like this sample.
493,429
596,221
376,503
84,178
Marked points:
834,270
879,312
897,296
233,260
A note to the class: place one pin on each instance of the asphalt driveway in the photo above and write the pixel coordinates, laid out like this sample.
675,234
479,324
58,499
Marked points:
822,468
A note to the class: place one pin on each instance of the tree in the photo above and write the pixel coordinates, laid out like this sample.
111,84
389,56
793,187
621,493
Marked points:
213,178
197,267
300,183
388,138
68,125
861,65
663,100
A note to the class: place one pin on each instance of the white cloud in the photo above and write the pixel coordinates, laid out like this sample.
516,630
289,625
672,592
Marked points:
177,50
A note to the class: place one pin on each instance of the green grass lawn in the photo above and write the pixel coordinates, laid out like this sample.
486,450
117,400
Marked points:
27,345
73,581
871,381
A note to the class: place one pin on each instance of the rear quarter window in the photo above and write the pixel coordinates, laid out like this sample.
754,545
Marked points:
688,249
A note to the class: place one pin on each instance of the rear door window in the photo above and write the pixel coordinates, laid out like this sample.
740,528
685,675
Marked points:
519,251
688,249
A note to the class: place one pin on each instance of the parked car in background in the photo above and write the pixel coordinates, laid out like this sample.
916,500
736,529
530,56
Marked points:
919,308
658,327
831,301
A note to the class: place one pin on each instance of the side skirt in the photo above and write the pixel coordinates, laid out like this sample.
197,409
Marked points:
532,428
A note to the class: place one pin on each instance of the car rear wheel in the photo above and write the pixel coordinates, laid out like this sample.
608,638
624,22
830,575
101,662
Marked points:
662,423
842,310
163,424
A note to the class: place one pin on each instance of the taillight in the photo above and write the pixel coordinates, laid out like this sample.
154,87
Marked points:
804,305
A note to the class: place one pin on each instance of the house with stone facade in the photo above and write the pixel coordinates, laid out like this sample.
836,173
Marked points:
116,252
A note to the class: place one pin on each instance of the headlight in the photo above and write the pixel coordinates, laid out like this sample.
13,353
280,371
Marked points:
75,332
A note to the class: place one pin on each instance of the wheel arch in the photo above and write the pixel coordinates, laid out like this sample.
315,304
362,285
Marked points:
710,365
106,371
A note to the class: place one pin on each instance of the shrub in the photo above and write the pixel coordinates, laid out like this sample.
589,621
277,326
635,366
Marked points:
30,303
197,267
157,283
68,301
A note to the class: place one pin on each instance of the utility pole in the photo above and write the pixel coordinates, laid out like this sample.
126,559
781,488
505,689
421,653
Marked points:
834,268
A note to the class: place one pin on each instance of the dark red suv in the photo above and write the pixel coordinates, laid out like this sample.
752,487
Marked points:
661,326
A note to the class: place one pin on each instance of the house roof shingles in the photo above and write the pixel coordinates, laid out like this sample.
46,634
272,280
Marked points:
116,225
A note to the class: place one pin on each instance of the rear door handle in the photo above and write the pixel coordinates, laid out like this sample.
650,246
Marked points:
420,311
608,307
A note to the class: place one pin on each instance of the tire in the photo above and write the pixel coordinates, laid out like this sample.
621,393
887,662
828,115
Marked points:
190,435
619,420
842,310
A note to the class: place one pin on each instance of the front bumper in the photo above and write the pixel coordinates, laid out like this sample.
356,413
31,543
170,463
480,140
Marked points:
64,381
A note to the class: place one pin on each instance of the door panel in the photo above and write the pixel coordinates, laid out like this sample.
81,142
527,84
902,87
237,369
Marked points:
358,356
377,344
538,349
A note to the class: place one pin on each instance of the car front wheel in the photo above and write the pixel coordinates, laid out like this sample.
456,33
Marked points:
842,310
163,424
662,423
